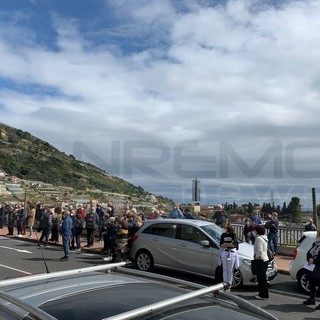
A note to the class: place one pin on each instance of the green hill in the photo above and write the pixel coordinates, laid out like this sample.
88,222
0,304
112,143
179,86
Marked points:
30,158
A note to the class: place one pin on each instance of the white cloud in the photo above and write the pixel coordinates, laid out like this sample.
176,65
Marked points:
244,73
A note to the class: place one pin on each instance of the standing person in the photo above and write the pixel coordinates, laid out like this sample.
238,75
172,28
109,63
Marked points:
66,231
261,253
122,247
135,226
55,224
81,211
73,243
111,209
45,227
272,225
92,222
31,218
77,229
39,211
248,231
309,226
255,218
12,216
104,229
220,217
229,256
176,213
1,216
188,214
20,220
100,212
112,237
313,258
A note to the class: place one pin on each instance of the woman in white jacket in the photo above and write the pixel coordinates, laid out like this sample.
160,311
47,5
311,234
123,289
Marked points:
261,253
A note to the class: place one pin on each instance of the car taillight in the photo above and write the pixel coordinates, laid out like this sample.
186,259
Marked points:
294,253
134,237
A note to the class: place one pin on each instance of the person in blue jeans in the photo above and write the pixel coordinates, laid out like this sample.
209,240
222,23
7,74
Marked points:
66,232
272,225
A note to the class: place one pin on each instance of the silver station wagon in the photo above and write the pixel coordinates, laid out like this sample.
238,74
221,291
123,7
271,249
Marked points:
112,292
190,246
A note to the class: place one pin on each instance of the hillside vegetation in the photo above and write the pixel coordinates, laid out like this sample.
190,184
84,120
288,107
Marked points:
28,157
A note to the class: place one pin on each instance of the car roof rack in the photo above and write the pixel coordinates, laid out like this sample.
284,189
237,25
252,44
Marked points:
58,274
165,303
193,294
40,314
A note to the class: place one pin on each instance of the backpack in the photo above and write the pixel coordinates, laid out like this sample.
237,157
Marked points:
78,224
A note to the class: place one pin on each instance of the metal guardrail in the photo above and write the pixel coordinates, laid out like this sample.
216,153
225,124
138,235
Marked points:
287,236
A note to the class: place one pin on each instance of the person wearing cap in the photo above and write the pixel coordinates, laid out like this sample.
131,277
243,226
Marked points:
272,225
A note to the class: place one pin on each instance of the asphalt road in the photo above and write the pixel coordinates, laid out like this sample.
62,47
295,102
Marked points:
20,258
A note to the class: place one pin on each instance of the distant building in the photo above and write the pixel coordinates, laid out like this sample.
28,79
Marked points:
13,179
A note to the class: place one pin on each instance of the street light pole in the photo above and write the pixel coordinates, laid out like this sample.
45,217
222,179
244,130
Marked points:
315,217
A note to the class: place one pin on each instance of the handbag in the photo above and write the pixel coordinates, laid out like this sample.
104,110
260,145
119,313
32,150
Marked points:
257,267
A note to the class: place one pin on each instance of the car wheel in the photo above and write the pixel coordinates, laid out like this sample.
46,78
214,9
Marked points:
302,281
144,261
237,279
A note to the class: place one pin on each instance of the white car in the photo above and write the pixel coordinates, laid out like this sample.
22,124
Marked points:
191,246
296,270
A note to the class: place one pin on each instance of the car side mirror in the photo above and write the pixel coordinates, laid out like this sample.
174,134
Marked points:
205,243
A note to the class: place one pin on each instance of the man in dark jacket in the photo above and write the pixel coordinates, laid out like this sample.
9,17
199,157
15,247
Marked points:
45,226
272,225
92,222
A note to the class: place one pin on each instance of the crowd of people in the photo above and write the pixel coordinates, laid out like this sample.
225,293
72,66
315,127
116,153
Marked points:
66,225
115,230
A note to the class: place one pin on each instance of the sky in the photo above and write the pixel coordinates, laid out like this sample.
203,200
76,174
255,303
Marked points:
163,92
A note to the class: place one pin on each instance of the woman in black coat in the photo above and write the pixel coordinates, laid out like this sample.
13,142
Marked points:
313,258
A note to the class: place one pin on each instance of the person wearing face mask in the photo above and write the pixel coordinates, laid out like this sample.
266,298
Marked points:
313,258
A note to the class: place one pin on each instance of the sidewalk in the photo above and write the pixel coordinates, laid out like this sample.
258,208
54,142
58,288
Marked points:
97,246
283,259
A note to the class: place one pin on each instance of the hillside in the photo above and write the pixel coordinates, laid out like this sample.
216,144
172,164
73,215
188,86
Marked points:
28,157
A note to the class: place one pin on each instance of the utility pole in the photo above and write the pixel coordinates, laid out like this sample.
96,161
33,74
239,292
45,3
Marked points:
314,202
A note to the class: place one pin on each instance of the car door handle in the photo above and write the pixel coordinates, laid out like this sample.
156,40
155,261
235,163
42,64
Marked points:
182,245
155,239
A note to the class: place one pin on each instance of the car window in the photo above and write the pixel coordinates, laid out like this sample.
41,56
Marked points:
162,229
214,231
192,234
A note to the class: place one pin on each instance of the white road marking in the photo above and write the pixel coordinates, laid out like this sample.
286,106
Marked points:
4,266
18,250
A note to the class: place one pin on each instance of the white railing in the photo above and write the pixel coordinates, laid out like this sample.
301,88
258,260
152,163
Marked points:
287,236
